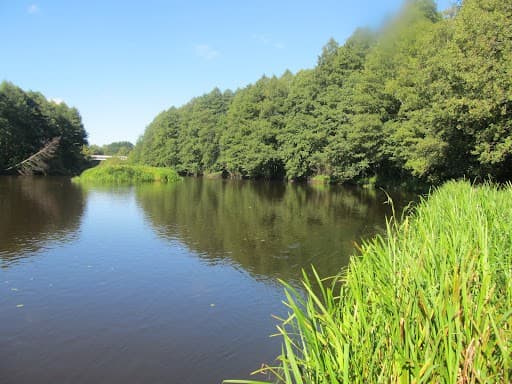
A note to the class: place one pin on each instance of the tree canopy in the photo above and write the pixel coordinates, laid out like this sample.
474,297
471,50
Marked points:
29,122
117,148
425,98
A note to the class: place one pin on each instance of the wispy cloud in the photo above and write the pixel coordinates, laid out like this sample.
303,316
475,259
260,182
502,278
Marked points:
268,41
206,52
32,9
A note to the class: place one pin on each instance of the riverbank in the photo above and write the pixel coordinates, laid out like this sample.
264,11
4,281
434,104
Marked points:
429,302
114,172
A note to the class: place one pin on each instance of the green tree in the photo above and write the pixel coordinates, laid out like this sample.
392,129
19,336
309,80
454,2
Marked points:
302,140
425,98
159,144
249,144
202,119
118,148
455,115
28,121
362,148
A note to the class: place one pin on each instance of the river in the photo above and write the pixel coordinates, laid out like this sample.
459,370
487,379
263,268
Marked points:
161,283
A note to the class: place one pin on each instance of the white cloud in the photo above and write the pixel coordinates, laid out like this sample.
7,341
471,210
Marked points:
206,52
56,100
33,8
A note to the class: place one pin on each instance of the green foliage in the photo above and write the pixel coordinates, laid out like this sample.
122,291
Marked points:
320,179
455,92
93,149
117,148
159,145
254,121
28,121
424,99
186,138
115,172
428,303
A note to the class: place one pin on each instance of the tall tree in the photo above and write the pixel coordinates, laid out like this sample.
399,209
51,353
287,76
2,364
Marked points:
254,121
455,117
28,121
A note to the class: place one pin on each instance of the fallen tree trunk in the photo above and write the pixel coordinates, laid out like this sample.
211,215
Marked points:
38,162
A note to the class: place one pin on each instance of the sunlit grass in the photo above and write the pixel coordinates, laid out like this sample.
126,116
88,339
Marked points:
119,173
320,179
430,302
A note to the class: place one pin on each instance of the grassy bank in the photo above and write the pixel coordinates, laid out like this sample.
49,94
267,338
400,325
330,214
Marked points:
431,302
119,173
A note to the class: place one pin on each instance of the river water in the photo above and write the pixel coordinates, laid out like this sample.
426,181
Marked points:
161,283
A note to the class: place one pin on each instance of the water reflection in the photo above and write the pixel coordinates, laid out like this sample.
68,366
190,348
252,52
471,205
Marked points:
108,301
34,211
268,229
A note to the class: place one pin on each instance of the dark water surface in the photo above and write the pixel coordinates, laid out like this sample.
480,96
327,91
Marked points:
159,283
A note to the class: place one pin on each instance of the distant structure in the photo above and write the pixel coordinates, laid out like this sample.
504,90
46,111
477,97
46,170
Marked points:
105,157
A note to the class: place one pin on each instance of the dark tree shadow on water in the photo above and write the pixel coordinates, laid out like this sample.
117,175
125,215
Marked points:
35,211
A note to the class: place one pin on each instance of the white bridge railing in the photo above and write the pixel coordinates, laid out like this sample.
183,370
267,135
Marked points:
105,157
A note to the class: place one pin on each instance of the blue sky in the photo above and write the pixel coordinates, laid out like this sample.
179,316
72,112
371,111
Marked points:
122,62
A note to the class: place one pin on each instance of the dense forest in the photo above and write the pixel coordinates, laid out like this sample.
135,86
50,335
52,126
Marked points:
425,98
30,124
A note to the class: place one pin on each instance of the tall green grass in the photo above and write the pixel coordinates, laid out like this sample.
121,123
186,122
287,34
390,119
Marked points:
430,302
115,172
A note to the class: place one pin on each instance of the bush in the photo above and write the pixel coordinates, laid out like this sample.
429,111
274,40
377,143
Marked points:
117,173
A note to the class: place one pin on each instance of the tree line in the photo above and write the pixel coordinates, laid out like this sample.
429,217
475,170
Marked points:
32,125
116,148
425,98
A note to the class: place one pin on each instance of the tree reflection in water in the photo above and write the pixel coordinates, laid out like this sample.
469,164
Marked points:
269,229
34,211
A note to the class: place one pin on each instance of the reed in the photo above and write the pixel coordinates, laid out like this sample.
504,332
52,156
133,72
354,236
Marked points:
430,302
118,173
